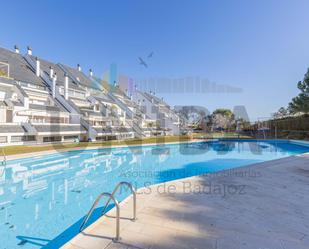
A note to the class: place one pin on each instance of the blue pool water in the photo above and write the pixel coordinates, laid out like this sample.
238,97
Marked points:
43,199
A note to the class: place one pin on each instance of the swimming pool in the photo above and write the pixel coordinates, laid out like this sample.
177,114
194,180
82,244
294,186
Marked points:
43,199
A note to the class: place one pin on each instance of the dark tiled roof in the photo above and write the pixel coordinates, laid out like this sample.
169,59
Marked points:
81,77
19,69
58,128
155,99
6,80
45,66
129,102
12,129
113,89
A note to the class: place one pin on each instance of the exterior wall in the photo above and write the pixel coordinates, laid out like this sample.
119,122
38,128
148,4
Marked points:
57,138
3,115
14,139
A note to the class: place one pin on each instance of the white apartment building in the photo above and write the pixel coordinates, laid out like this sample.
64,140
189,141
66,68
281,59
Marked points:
46,102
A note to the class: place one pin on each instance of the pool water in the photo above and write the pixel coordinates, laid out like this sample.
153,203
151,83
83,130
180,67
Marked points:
44,199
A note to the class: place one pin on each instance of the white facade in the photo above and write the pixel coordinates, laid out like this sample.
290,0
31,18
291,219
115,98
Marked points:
56,103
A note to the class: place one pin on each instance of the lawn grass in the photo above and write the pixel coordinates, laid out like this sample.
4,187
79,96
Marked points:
214,135
20,149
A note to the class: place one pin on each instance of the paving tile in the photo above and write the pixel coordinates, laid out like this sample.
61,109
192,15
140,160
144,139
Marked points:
136,240
93,242
247,241
272,214
116,245
294,245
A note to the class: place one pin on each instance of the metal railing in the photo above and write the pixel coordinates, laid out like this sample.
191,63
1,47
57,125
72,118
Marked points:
134,197
4,157
112,197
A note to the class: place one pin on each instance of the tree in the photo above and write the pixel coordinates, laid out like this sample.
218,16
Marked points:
281,113
242,124
224,112
222,119
300,104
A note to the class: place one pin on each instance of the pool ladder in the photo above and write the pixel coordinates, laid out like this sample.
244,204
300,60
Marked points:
4,157
111,197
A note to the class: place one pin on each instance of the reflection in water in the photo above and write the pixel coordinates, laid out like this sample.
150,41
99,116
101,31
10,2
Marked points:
224,147
42,197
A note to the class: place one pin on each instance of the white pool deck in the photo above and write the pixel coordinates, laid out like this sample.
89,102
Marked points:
266,207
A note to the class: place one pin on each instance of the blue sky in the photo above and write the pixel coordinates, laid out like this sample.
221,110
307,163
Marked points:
258,46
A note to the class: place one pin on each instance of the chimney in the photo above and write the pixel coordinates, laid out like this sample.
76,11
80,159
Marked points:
51,72
16,49
79,68
54,85
29,50
37,70
66,86
90,73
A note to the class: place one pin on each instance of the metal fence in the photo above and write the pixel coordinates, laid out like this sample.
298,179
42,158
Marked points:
287,128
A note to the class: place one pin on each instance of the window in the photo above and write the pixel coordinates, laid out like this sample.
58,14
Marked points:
52,139
16,139
29,138
3,140
100,138
70,137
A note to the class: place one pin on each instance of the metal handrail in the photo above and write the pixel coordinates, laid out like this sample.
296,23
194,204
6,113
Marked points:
134,197
4,157
111,197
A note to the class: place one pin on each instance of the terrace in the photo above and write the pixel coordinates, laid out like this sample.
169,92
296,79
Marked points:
186,214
